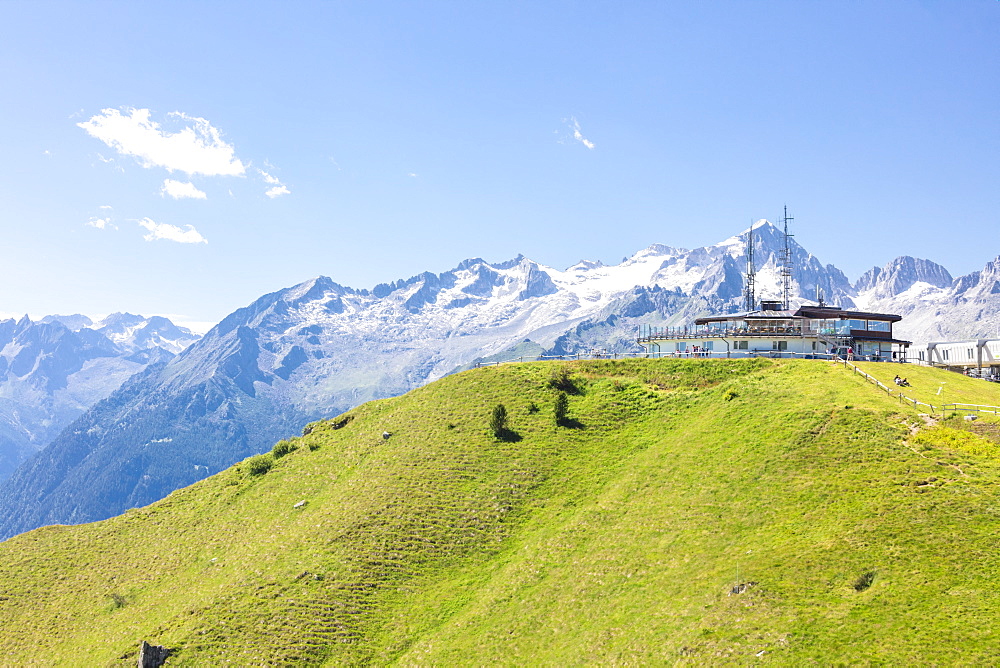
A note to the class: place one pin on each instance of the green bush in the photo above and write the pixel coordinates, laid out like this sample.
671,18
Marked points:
498,421
561,409
260,464
282,448
864,581
560,380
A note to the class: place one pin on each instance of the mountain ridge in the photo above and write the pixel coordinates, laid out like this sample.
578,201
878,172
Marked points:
319,348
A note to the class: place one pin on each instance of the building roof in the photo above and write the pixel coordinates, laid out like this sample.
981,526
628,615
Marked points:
806,311
812,311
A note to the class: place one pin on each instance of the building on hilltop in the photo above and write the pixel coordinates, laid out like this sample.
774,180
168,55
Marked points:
980,357
808,331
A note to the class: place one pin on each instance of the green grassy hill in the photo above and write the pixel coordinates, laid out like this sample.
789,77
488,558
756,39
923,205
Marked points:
617,538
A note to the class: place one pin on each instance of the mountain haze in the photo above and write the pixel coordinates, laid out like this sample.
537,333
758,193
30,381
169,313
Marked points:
53,370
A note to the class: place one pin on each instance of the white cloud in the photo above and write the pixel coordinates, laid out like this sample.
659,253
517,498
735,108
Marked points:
578,136
278,188
277,191
105,207
181,190
171,233
102,223
197,148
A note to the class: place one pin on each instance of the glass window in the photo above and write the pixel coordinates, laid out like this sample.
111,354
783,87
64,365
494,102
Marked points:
779,345
681,346
707,345
879,326
741,345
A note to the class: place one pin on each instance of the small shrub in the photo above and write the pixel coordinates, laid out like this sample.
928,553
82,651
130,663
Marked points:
260,464
532,408
561,409
864,581
282,448
730,394
560,380
117,600
498,421
313,446
341,422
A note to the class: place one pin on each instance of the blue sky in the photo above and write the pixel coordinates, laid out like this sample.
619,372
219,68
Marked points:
185,158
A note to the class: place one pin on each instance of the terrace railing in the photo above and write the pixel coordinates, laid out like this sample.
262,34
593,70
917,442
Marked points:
647,334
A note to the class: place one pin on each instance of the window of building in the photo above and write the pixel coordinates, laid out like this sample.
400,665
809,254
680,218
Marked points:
741,345
920,355
707,345
681,346
879,326
970,353
944,354
779,345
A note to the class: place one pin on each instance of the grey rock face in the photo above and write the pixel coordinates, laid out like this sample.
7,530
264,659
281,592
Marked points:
152,656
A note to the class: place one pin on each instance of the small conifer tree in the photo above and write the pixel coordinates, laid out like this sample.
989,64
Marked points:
498,421
561,408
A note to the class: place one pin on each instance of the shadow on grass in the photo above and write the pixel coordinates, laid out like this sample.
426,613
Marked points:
508,436
570,423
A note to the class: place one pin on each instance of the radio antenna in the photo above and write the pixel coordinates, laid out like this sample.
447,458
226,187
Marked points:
750,294
786,264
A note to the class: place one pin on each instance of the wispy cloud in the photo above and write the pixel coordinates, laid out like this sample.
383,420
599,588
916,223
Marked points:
181,190
105,207
277,188
197,148
102,223
577,135
171,232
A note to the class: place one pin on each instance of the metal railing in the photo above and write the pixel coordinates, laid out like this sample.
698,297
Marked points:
889,391
655,333
741,354
701,354
978,408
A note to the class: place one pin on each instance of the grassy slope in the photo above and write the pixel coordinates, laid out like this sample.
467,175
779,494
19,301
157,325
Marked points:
615,542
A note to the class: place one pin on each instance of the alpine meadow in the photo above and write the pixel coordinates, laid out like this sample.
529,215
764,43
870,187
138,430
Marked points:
684,511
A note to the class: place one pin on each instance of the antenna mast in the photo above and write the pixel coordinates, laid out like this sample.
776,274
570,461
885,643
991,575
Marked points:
750,296
786,264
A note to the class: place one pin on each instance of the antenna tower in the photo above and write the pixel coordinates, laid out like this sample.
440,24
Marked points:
750,296
786,264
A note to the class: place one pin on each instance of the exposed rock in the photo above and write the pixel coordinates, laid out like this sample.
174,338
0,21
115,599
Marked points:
152,656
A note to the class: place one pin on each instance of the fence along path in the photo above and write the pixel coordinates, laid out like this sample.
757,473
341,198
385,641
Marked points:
775,354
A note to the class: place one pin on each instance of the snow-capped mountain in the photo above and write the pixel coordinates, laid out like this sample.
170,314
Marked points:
132,332
934,306
53,370
319,348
